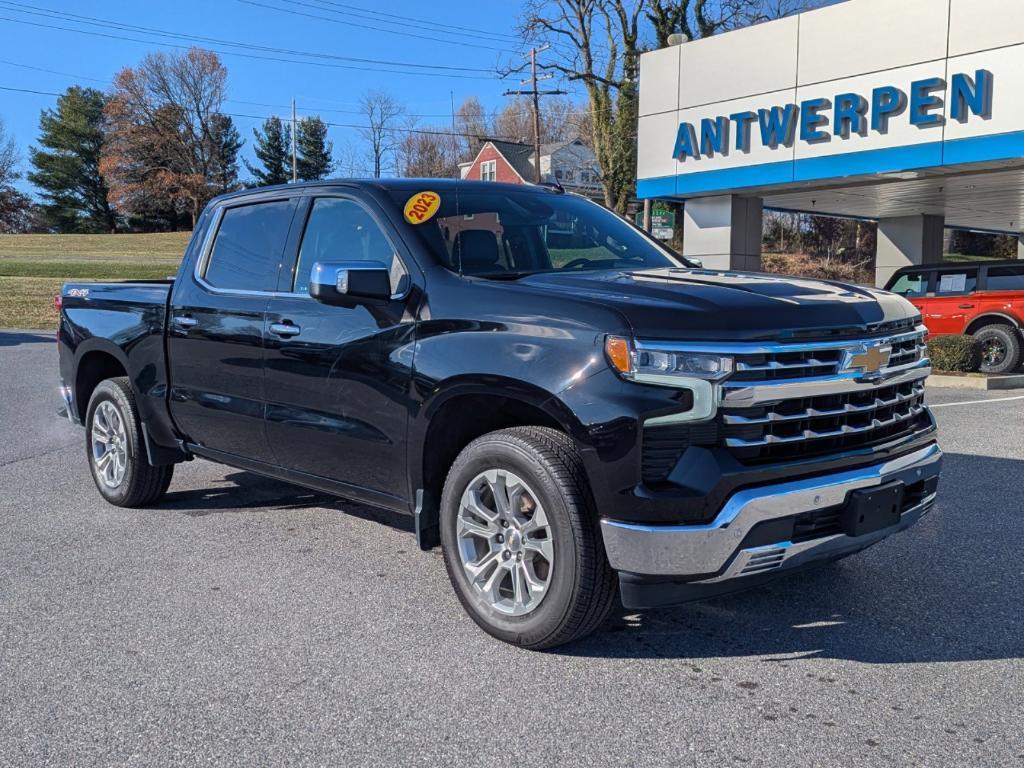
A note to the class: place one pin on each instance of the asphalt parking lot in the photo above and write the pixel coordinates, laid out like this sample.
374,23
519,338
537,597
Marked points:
248,622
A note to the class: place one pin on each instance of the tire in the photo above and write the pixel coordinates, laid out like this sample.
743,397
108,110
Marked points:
1000,348
551,512
125,478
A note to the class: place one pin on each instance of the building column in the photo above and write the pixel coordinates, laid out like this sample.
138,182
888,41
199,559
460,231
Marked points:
907,241
1020,246
724,232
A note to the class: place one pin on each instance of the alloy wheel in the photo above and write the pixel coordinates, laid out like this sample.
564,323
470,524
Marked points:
505,542
109,444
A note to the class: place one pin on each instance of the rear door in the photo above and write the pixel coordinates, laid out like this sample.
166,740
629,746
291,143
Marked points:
216,328
338,377
954,302
1003,291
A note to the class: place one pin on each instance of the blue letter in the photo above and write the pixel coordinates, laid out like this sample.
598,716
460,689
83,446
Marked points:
922,102
851,109
743,121
714,134
686,143
975,96
777,125
810,120
886,102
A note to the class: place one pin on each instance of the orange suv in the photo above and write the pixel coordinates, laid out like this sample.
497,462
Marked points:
983,299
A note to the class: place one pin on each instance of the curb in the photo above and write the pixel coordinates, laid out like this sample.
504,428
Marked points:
976,382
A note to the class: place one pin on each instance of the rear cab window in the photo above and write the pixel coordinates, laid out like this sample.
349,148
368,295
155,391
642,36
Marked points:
248,247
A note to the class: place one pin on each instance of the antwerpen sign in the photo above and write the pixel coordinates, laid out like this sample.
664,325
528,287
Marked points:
818,120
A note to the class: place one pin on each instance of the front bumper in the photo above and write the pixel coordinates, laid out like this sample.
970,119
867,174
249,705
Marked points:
663,564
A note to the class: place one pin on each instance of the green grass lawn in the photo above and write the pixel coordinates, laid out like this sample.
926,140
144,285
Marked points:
33,268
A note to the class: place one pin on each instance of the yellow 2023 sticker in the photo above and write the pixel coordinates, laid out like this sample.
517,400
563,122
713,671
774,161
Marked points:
422,207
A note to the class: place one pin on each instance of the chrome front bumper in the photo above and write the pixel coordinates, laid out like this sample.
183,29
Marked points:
713,553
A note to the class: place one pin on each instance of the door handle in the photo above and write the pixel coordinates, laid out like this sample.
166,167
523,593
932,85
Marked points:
966,306
285,329
185,322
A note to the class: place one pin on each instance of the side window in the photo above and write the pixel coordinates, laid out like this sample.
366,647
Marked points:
911,285
1005,279
247,251
342,230
952,283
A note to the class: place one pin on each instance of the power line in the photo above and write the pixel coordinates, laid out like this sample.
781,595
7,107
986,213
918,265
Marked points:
54,71
245,55
411,20
34,10
460,43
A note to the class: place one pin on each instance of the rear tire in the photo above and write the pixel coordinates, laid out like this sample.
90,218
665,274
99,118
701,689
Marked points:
1000,348
116,449
518,500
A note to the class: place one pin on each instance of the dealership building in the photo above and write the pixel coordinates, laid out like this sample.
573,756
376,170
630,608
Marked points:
908,112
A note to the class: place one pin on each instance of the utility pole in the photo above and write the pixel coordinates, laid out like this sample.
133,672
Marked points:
295,162
535,94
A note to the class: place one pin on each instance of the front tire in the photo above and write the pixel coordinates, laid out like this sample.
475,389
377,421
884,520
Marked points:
116,449
521,541
1000,348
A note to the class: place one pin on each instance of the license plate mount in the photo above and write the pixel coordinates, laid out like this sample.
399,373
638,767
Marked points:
873,509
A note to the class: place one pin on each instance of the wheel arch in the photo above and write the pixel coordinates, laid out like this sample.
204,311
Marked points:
96,362
463,410
991,318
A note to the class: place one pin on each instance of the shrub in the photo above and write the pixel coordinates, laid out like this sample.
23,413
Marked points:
823,268
955,353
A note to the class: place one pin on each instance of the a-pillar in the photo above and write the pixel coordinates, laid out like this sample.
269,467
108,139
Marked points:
907,241
724,231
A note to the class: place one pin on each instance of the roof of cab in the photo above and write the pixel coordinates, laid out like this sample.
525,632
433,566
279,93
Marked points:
437,185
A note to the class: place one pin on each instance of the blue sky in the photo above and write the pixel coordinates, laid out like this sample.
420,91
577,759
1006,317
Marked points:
258,87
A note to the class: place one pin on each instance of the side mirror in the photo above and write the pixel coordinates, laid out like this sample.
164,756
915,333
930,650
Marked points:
342,281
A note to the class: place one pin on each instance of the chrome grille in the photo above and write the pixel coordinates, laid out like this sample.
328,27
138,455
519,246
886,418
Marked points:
792,400
815,425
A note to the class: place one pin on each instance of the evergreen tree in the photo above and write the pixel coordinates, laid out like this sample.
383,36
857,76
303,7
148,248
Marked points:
227,142
273,150
73,190
313,149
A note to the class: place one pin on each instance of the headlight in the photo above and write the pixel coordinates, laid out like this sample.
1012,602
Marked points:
655,366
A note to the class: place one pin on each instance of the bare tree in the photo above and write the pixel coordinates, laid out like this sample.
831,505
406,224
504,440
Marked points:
383,114
9,157
472,122
703,18
165,143
432,152
560,120
597,43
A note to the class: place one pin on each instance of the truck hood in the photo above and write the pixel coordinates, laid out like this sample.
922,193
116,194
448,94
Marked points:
676,303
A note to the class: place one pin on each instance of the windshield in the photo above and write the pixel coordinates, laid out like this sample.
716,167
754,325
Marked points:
506,234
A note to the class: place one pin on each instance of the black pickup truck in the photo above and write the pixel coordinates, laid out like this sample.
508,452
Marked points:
573,412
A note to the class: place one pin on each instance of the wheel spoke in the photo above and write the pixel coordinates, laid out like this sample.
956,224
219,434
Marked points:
520,587
472,502
493,583
499,489
542,547
478,570
536,586
469,527
538,522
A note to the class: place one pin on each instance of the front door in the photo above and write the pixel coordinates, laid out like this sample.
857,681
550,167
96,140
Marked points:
216,329
953,302
338,378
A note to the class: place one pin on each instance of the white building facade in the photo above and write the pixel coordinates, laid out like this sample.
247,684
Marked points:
908,112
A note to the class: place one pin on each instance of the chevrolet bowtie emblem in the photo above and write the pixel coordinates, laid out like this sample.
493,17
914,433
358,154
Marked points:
871,360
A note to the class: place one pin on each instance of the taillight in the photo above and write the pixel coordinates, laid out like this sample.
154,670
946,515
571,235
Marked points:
58,304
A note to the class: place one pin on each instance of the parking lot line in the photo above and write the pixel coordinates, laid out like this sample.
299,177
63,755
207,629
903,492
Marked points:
973,402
